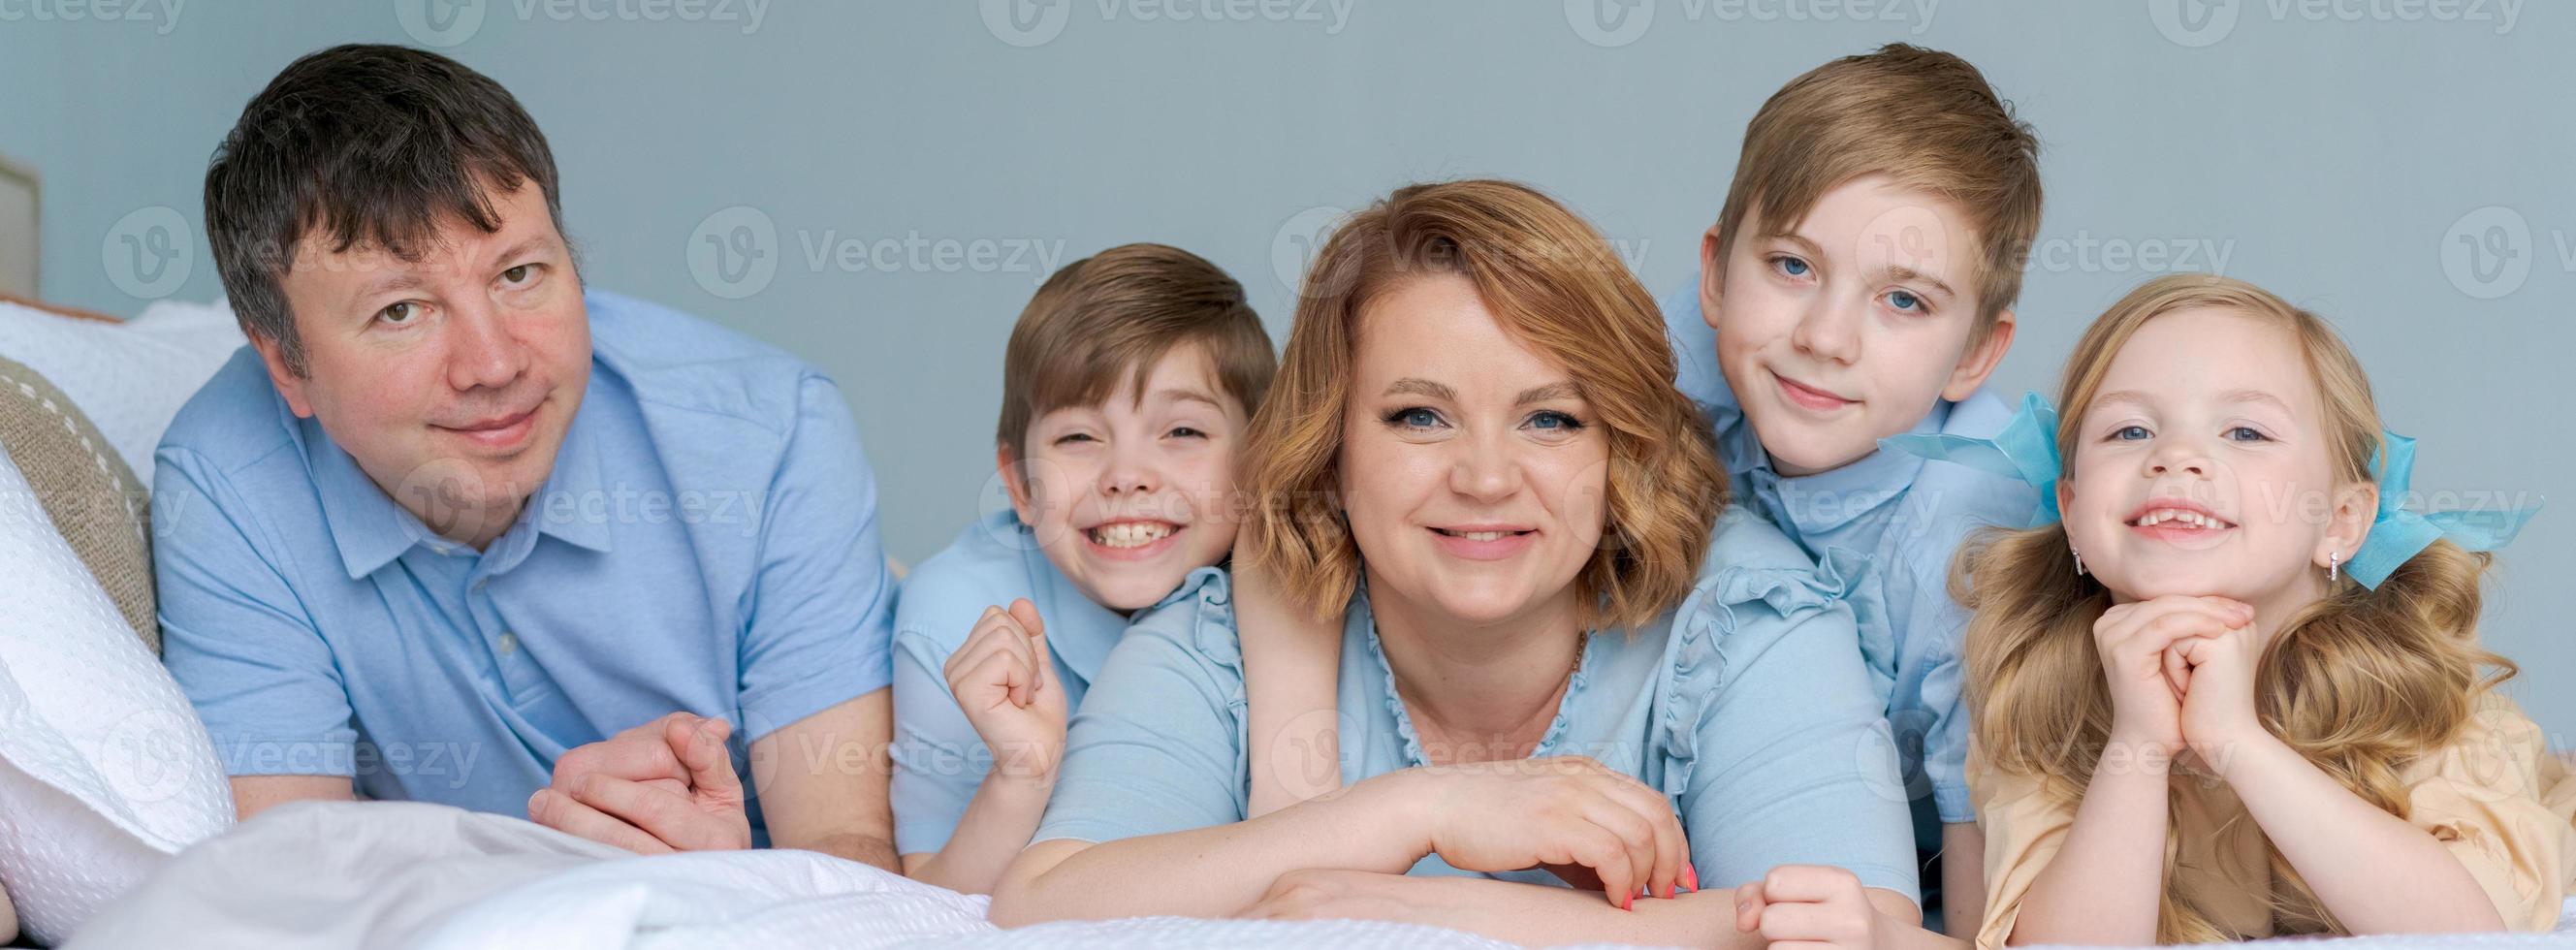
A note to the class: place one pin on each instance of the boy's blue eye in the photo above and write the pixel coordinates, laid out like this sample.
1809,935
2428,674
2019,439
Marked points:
1904,300
1075,437
2130,433
1790,265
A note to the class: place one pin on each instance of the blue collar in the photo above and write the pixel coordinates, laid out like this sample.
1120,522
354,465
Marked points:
1080,630
371,530
1828,500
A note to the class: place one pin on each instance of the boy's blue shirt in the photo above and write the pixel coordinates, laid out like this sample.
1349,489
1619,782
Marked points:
1897,520
939,759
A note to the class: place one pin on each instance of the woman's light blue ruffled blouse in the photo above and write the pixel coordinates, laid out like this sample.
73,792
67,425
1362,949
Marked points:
1748,705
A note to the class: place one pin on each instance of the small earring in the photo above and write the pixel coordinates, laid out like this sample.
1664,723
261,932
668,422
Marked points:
2079,559
2334,559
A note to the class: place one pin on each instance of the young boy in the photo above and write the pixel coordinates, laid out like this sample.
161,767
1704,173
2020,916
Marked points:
1858,284
1125,390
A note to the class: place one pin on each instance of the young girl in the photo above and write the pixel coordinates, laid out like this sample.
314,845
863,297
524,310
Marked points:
2237,690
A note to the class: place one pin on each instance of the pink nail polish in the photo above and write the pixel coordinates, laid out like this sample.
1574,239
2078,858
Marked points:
1628,903
1690,878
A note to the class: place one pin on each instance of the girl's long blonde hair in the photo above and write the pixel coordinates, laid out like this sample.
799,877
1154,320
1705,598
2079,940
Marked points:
2361,683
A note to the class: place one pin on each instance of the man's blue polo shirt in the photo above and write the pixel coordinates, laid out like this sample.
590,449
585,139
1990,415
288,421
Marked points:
707,542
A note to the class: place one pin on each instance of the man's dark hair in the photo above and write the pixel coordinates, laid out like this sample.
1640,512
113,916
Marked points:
361,144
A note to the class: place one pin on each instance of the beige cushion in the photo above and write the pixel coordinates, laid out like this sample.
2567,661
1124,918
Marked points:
95,501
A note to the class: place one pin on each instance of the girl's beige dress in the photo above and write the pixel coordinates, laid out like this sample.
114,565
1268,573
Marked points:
2496,796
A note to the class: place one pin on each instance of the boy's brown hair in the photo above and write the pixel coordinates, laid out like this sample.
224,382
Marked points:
1922,117
1120,312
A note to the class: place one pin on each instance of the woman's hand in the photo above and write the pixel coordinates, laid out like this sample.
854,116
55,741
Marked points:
1566,810
1004,680
2147,689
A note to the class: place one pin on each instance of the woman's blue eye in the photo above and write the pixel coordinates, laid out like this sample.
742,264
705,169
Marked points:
1556,421
1792,266
1414,418
1904,300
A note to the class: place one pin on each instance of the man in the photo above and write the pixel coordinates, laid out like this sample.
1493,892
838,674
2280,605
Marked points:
450,521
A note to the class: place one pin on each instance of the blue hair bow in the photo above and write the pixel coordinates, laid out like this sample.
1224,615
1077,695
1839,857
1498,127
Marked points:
2397,535
2026,449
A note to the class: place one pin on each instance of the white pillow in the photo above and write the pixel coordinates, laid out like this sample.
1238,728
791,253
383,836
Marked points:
130,378
104,768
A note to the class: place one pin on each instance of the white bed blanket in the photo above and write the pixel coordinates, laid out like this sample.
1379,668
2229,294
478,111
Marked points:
389,874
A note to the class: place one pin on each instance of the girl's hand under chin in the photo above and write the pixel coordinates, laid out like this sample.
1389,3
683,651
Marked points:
2216,676
2147,689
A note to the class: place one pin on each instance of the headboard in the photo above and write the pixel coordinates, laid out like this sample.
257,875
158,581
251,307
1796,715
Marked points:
18,228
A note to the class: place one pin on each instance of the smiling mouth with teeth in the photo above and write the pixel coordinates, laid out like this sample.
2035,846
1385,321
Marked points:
1132,534
1480,535
2180,518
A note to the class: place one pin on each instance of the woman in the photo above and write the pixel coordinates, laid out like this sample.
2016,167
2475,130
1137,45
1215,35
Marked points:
1474,454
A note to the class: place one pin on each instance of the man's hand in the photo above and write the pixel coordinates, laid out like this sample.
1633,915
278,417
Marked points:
667,785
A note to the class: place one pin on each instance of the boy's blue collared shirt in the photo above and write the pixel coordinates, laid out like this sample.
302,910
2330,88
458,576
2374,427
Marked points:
939,759
707,541
1906,518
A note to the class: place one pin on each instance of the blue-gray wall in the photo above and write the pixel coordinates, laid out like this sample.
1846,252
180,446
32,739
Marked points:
2337,152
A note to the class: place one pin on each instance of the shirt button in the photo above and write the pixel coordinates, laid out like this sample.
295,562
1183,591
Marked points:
509,643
